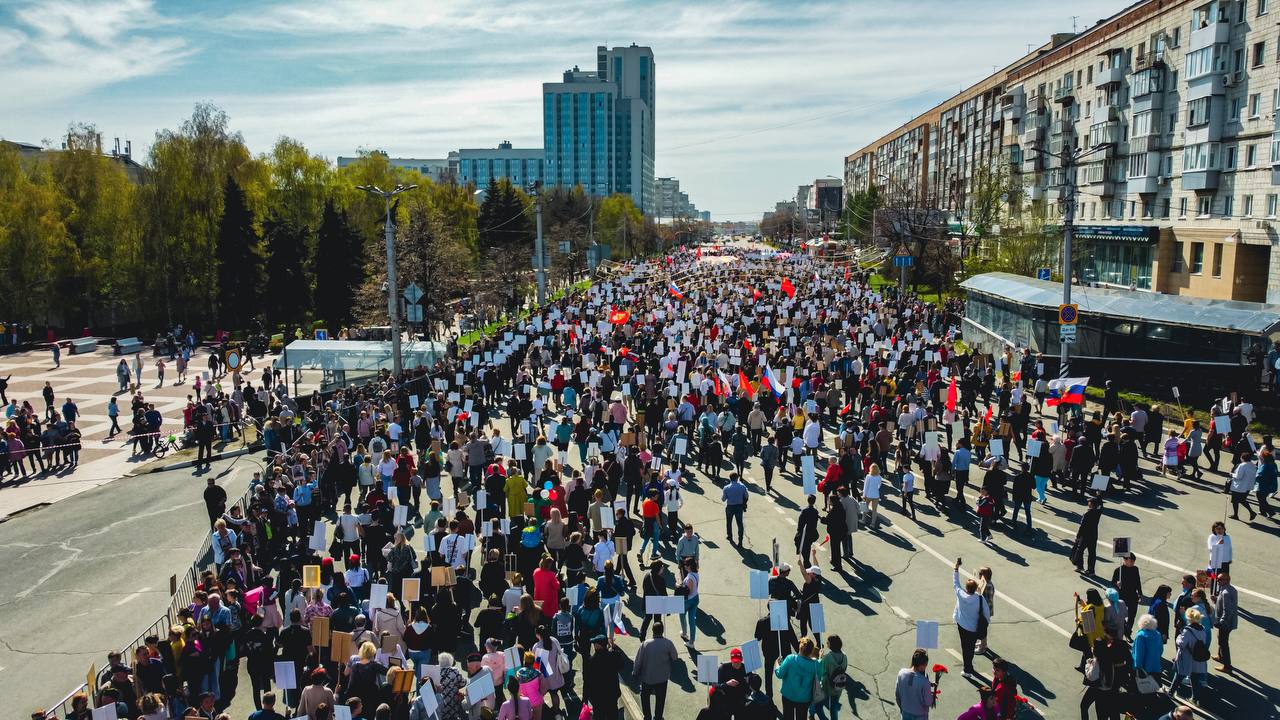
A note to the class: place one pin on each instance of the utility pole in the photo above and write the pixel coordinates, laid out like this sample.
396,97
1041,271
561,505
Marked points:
393,291
1068,220
541,265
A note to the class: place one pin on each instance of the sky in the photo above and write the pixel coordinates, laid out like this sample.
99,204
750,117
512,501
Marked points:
753,97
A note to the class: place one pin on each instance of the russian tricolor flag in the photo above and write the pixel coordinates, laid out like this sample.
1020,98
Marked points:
1067,391
770,381
671,288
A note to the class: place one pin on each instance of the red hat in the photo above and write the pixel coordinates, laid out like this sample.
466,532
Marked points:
326,561
354,558
735,654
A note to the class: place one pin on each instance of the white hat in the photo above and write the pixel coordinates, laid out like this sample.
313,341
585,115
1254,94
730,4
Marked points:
815,570
784,567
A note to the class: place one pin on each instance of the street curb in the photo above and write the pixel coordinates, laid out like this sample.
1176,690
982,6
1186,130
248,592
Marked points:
192,463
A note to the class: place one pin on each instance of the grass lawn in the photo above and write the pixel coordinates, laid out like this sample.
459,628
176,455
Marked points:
474,336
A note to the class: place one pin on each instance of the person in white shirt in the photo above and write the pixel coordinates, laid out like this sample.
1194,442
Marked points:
812,434
602,552
294,599
871,493
357,577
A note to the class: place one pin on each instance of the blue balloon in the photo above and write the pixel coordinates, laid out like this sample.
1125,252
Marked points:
546,485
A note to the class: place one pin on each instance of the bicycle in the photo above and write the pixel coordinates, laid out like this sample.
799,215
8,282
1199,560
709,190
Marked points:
163,446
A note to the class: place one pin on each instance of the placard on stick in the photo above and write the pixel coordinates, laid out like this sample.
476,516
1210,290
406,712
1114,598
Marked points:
778,615
341,647
320,631
1120,547
759,584
310,576
708,668
926,634
1099,483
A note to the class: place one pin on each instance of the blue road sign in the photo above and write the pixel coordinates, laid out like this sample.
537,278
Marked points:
903,261
1042,273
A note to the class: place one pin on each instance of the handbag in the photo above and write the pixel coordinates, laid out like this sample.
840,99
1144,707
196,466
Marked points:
1078,642
818,694
562,663
1145,682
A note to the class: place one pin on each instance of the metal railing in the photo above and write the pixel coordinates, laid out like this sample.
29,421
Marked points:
183,592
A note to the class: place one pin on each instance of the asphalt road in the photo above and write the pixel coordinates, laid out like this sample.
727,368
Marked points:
93,571
89,573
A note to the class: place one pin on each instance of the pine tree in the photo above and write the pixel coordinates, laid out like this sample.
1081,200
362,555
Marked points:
288,291
339,268
240,260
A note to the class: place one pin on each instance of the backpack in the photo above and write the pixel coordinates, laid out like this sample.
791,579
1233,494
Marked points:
986,506
1199,651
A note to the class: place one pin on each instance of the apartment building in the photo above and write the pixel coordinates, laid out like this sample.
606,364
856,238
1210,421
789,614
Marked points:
1170,107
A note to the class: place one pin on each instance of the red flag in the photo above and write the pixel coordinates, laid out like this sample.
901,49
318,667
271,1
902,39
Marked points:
746,344
573,338
846,273
951,395
986,418
619,317
755,294
744,383
699,253
788,288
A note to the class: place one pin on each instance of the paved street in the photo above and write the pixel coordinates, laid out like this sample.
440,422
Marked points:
92,572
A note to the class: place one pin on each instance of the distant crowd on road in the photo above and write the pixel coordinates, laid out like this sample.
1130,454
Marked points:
402,557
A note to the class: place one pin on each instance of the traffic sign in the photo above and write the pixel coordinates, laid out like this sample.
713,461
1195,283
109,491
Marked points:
1067,334
413,313
1043,273
1068,314
413,293
903,261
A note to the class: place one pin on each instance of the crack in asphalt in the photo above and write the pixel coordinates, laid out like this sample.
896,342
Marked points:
19,651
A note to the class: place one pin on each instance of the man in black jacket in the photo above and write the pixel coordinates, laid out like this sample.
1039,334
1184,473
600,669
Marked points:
1128,581
773,645
1087,537
600,684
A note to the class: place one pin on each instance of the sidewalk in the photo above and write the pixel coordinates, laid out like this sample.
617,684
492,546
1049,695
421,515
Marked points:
90,380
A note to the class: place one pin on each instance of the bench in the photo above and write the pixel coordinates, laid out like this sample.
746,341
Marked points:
83,345
126,346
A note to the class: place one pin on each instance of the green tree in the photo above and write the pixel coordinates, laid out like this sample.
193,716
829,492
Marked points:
858,213
100,279
183,208
505,234
300,183
339,267
240,260
34,242
288,291
619,224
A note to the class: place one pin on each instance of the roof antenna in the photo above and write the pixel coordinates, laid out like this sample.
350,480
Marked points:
1073,23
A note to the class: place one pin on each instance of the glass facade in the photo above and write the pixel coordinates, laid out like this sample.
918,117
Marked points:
1099,336
1119,263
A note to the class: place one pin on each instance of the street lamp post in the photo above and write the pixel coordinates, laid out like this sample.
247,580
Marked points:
393,298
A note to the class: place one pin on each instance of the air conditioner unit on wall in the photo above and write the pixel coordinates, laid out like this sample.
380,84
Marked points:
1161,179
1228,80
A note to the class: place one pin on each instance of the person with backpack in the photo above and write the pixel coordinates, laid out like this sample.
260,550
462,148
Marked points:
986,509
833,677
1191,656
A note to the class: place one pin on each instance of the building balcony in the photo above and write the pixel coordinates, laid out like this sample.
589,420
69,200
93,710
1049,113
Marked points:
1148,143
1105,114
1200,179
1146,184
1032,135
1034,192
1064,95
997,115
1150,59
1058,143
1214,33
1053,192
1108,76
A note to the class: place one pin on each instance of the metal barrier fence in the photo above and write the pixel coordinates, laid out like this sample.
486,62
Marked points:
182,590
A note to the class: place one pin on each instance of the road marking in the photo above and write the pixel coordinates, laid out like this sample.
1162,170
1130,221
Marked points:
1157,561
780,510
955,654
899,612
1028,611
131,596
629,700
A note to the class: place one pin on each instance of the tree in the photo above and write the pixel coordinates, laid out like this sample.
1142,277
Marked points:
240,260
506,234
338,266
858,213
288,290
34,243
183,208
619,224
300,183
101,278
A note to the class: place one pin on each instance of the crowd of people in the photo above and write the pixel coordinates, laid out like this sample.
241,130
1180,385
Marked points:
401,555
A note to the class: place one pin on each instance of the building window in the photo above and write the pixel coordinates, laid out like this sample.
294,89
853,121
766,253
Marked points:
1235,110
1262,7
1164,212
1259,52
1182,207
1197,258
1271,205
1228,205
1199,62
1217,259
1255,104
1230,158
1250,155
1247,205
1204,156
1198,111
1204,206
1177,257
1275,148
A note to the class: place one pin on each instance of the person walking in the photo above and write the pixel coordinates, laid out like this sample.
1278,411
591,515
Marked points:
1266,483
113,413
1127,579
1148,650
1226,618
734,495
652,669
799,675
688,587
1191,656
1219,544
1089,625
970,612
833,678
871,494
1087,537
913,692
1243,479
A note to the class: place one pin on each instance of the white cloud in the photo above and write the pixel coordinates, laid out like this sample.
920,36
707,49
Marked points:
65,48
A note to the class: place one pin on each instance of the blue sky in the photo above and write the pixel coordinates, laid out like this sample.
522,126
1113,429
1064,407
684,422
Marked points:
753,97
